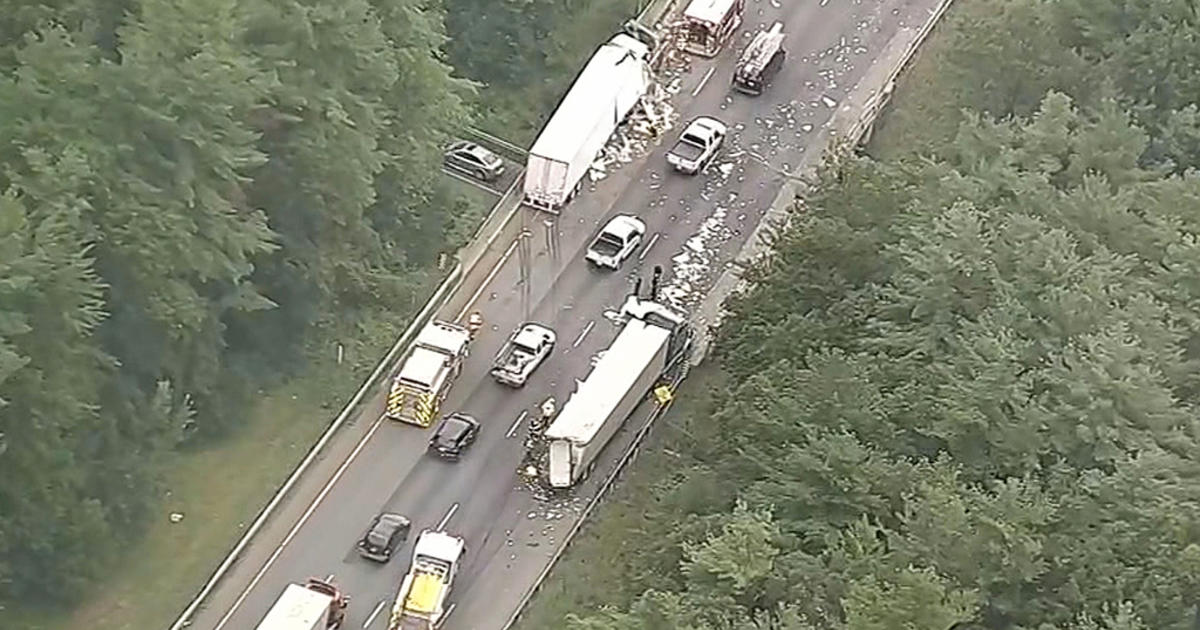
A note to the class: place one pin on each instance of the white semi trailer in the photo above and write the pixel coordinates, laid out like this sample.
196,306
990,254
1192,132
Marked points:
603,94
654,341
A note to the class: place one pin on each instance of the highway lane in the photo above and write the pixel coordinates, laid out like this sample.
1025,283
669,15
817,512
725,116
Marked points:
391,472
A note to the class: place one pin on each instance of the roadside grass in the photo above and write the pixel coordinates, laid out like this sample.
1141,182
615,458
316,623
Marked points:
221,488
600,566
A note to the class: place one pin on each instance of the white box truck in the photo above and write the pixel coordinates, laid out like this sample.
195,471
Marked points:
653,341
604,93
314,605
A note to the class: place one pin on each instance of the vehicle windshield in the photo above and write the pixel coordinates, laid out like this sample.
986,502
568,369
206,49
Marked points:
693,139
607,244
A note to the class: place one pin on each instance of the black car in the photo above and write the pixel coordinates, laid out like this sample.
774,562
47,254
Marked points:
474,160
385,534
454,435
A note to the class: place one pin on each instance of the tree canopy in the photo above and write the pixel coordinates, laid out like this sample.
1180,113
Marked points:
963,388
188,190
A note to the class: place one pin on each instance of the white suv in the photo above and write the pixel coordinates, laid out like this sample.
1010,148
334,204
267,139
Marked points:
616,241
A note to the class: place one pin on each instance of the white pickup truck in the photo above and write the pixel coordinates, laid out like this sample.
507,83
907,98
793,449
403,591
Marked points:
525,350
697,145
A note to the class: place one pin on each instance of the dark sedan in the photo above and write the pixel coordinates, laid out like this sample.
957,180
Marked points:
474,160
387,532
456,432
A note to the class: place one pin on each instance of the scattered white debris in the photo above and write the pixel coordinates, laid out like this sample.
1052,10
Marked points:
654,116
829,102
175,517
692,266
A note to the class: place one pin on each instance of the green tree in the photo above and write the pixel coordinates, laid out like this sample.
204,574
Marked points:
915,599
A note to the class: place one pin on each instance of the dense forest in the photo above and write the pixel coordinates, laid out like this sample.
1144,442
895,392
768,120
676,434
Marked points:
962,393
193,192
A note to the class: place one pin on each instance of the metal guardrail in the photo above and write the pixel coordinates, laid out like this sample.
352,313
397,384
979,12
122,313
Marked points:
497,143
871,111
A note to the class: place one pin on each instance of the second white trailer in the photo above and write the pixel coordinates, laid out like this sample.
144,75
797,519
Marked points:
612,390
603,94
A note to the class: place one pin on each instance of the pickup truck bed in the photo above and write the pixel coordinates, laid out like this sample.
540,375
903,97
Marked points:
522,353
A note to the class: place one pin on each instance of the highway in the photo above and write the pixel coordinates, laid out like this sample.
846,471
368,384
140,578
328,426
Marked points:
695,226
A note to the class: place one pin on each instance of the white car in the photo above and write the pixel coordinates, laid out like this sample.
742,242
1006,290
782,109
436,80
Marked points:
525,350
619,238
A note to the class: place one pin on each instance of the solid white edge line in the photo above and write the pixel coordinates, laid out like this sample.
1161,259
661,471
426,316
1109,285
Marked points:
303,519
446,519
513,429
374,613
495,270
646,249
586,330
704,80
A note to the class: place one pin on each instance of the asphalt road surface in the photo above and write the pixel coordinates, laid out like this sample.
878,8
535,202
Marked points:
695,226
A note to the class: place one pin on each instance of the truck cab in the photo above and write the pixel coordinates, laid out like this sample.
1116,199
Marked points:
697,145
525,350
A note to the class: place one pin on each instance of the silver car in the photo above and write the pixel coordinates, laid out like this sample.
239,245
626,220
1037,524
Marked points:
474,160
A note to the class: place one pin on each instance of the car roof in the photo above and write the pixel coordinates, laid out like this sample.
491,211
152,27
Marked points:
473,148
482,153
456,424
622,225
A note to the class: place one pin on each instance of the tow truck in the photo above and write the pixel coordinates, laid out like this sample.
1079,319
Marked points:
421,602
